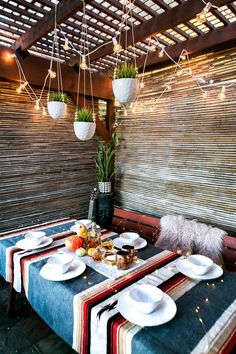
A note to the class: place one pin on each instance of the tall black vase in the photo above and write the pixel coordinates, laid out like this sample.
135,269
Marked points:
105,210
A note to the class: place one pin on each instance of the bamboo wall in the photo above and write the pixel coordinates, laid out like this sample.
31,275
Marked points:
45,172
178,152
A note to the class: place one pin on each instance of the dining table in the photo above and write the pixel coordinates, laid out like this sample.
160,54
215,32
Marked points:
89,307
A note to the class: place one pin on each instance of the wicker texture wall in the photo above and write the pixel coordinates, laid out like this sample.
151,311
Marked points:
178,153
45,172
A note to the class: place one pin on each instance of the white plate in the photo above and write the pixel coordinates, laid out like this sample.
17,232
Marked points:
140,243
77,268
164,312
184,267
72,228
25,244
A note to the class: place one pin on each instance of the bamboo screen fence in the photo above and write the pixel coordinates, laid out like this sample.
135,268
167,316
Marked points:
45,172
179,156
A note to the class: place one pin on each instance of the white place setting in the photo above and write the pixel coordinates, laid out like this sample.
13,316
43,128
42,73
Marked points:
85,222
62,266
199,267
146,305
34,240
130,238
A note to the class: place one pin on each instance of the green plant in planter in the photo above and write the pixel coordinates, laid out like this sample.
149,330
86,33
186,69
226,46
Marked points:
84,115
58,97
125,71
104,160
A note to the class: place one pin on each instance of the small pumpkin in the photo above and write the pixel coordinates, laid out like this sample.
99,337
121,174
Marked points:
73,243
91,251
80,252
81,230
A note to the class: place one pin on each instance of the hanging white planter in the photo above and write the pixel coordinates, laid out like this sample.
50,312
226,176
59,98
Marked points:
125,90
84,130
56,109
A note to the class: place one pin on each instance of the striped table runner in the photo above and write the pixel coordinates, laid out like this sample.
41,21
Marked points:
12,258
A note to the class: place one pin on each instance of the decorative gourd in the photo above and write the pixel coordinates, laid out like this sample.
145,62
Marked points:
80,252
73,243
81,230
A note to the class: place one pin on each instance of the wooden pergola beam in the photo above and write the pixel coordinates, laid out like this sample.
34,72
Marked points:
36,68
199,44
65,9
158,24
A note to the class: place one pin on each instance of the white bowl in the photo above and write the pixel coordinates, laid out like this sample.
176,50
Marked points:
60,263
85,222
35,237
129,238
146,297
200,264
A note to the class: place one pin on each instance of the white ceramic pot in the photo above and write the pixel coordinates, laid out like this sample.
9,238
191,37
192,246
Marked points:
104,187
125,90
57,110
84,130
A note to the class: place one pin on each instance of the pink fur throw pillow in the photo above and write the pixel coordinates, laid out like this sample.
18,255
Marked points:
190,235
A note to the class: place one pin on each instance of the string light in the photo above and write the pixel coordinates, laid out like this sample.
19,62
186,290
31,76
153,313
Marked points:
161,53
204,95
94,116
153,48
222,94
19,90
201,16
117,48
179,72
52,74
36,107
83,64
44,111
66,45
142,84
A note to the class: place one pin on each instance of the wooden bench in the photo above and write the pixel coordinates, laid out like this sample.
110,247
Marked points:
148,227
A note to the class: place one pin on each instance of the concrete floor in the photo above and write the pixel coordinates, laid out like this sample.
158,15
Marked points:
26,332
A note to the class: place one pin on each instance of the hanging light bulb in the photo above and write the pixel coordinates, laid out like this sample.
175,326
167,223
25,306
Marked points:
201,16
222,94
182,56
94,116
117,48
161,53
83,64
204,95
168,87
152,48
125,112
44,111
36,107
66,45
19,90
52,74
179,72
142,84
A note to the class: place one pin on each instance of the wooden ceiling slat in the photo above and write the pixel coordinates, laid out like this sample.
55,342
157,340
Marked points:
181,32
194,28
106,11
160,23
145,8
65,9
195,45
102,19
220,17
119,6
162,4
